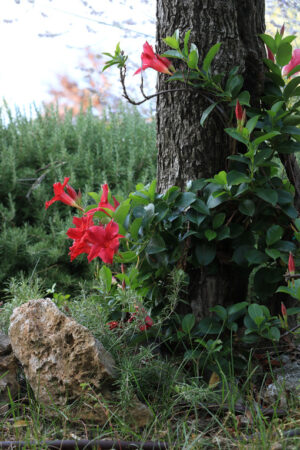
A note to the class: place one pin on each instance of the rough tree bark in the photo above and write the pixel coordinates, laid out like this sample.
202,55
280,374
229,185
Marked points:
185,149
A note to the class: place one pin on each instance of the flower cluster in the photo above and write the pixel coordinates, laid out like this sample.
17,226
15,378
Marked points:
94,240
144,321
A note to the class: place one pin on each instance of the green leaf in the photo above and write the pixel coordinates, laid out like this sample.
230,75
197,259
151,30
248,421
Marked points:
234,85
134,228
218,220
269,41
223,233
186,42
207,112
126,257
201,207
121,213
284,54
205,253
173,54
247,207
244,98
156,245
273,253
210,56
274,234
288,147
188,323
290,88
237,308
193,59
265,137
236,135
172,42
219,178
255,256
274,334
268,195
96,197
220,311
209,326
251,124
185,199
234,177
152,190
256,313
106,276
273,67
210,235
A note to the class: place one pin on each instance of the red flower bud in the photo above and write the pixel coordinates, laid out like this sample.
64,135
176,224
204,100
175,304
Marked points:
270,55
283,310
238,111
291,265
282,30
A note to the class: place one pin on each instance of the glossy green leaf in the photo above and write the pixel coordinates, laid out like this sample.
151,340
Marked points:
268,195
265,137
193,59
207,112
220,311
210,56
256,313
106,276
185,199
247,207
274,234
210,234
186,42
134,228
188,323
273,253
172,42
205,253
218,220
234,177
290,87
156,245
284,54
269,41
236,135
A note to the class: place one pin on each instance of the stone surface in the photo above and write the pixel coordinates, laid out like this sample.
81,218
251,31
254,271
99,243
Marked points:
8,372
287,380
65,365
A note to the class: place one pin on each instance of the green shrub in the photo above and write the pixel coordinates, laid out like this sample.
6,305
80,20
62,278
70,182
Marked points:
118,148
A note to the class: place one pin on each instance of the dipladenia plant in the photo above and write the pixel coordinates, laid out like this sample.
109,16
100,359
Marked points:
246,214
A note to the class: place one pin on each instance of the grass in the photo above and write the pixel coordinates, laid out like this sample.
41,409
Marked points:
187,412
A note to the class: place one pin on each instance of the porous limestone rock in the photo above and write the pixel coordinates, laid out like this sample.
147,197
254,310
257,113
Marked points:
8,372
65,365
287,381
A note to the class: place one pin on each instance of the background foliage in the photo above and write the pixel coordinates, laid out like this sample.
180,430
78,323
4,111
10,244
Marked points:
118,149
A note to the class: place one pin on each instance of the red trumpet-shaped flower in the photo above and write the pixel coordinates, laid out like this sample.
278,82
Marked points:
60,195
104,241
104,205
295,61
154,61
79,236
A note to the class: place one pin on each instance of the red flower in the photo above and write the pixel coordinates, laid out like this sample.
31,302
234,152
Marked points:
104,241
293,62
154,61
238,111
79,234
270,55
148,324
62,196
113,324
291,264
104,205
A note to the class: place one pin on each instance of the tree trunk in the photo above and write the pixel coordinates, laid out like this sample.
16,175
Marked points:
186,150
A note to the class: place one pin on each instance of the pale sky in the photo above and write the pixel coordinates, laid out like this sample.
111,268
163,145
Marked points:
31,59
